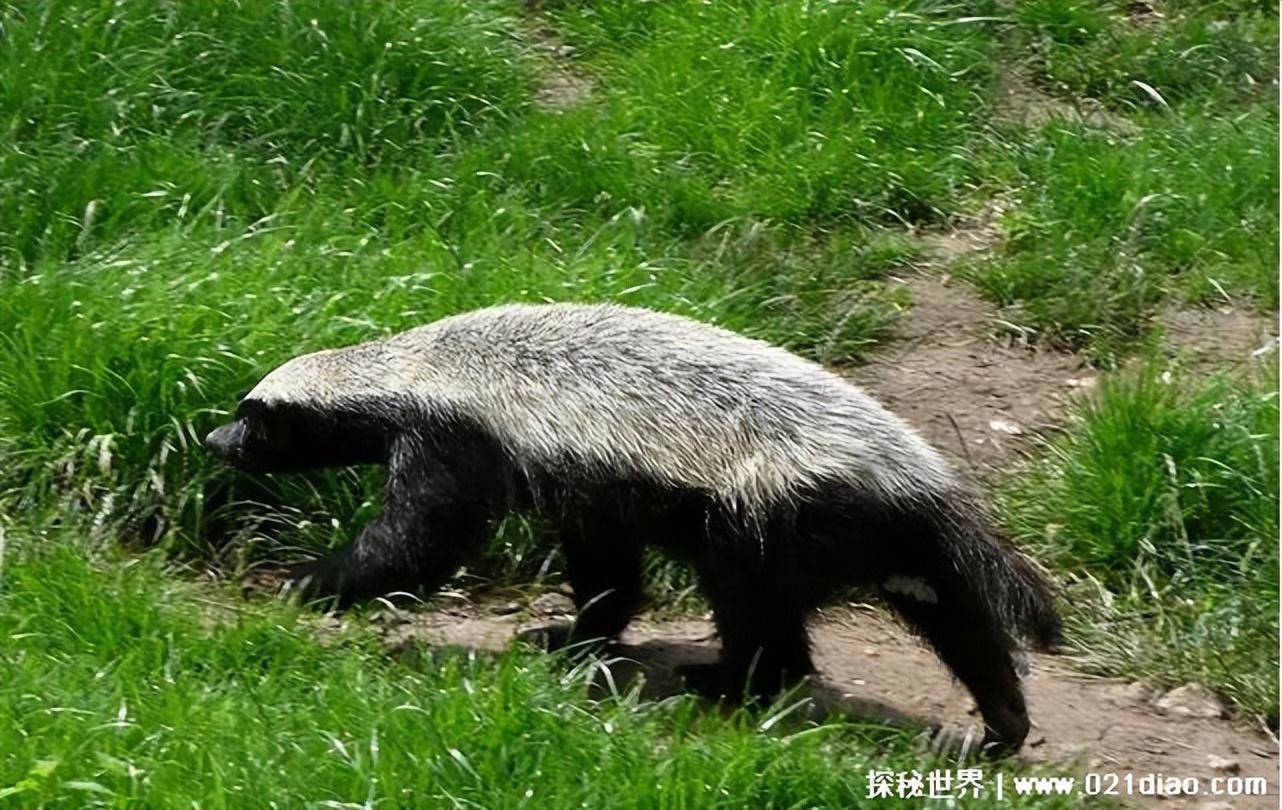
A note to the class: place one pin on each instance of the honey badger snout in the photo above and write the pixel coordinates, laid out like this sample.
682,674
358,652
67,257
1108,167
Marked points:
227,442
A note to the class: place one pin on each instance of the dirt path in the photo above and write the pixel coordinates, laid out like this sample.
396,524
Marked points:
561,86
981,401
870,667
1019,100
968,396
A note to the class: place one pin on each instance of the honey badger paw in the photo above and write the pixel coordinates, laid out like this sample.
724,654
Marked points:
1004,733
314,580
961,743
965,742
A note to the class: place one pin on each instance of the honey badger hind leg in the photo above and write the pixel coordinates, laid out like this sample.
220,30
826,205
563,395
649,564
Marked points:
937,562
980,654
945,571
760,616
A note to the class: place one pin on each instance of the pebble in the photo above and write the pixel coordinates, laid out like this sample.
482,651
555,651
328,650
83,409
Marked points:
1190,700
551,604
1225,764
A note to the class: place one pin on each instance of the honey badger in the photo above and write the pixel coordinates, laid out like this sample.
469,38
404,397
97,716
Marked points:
779,482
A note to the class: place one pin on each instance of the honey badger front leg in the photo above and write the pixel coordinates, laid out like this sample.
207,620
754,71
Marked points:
440,504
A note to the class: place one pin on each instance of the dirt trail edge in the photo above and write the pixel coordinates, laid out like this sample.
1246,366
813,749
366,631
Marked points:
870,667
981,402
968,396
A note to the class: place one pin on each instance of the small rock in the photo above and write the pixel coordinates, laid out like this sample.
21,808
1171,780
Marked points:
1005,426
1215,806
1080,382
551,604
1190,700
871,651
1131,694
1224,764
506,608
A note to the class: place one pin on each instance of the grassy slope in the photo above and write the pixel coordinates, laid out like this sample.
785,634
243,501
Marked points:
192,196
187,198
182,244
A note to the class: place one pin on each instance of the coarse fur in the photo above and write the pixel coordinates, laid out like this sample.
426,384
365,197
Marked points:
777,480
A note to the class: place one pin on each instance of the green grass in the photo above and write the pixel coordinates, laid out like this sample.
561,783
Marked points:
1176,202
166,258
795,111
1112,227
1099,50
1160,501
118,118
121,686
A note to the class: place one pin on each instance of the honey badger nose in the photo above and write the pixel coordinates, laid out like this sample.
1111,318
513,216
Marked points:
226,442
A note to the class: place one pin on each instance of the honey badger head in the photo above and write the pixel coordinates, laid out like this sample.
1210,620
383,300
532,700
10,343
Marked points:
285,437
300,426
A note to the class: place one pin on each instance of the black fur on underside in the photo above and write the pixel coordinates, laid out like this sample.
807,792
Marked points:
449,482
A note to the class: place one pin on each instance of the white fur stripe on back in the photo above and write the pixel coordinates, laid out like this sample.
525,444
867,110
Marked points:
632,392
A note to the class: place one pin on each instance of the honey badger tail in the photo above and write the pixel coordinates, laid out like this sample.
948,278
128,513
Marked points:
972,599
1017,593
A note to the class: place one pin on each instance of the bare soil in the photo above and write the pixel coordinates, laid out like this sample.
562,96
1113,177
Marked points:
981,400
560,85
970,397
1219,338
1022,102
870,667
